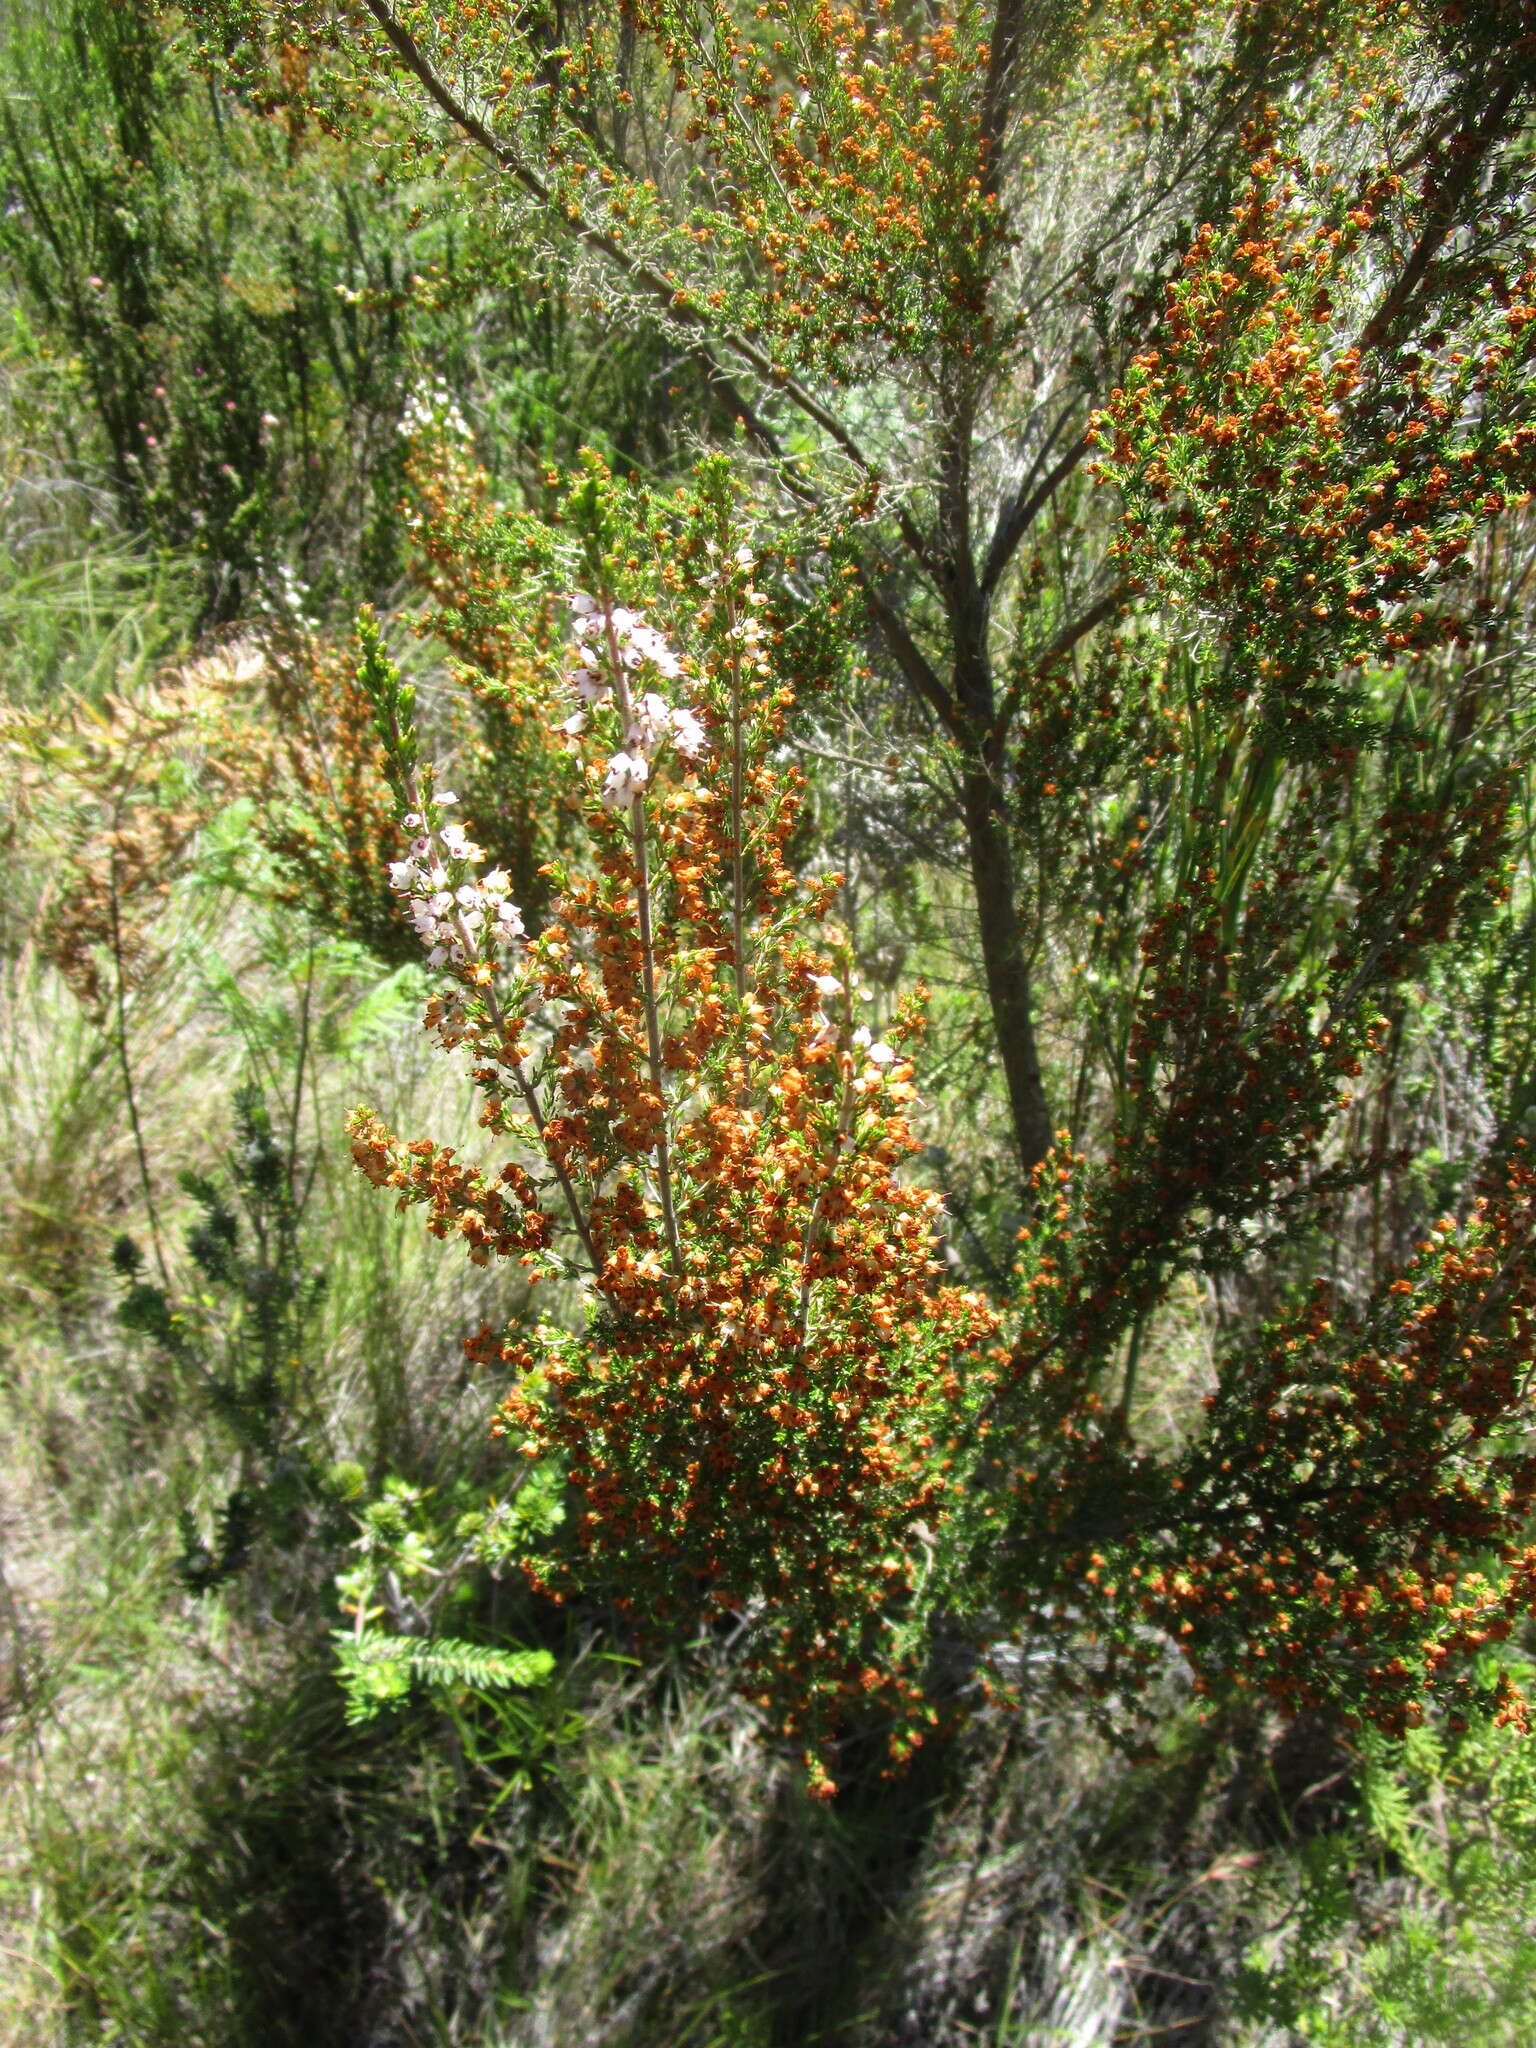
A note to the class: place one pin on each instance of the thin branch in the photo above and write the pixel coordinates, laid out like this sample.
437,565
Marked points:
910,659
640,273
1445,213
1016,518
300,1061
852,761
498,1022
647,952
536,1116
1102,609
997,93
738,875
120,1037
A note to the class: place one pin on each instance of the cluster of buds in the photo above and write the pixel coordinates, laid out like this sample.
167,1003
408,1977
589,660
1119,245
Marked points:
458,915
433,407
630,646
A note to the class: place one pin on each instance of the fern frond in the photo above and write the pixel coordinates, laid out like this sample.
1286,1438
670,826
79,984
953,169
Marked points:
376,1670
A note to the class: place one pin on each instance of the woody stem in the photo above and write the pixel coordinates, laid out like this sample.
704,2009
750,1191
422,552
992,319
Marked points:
813,1222
738,884
647,955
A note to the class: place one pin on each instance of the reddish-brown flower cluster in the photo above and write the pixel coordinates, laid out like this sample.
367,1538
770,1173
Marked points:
324,808
879,202
1348,1532
1323,808
1358,1504
500,1218
1317,495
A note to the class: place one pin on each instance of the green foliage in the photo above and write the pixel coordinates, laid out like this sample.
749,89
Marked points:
1201,798
416,1554
1263,494
208,309
241,1342
180,262
78,614
1415,1925
376,1670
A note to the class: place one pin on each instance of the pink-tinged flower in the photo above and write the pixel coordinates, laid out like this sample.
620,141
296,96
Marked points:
688,736
646,644
623,780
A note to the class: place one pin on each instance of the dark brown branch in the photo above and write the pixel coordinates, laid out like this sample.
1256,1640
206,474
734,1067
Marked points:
997,93
910,659
742,408
643,275
1445,212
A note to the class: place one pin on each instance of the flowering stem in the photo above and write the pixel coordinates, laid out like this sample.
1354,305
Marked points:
738,890
647,954
498,1022
530,1097
392,709
653,1031
813,1222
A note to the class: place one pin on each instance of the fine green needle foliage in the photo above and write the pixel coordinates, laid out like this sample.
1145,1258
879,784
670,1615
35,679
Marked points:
1417,1928
241,1340
415,1556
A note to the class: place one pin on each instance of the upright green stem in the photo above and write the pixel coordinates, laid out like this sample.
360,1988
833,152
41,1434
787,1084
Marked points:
120,1035
296,1106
